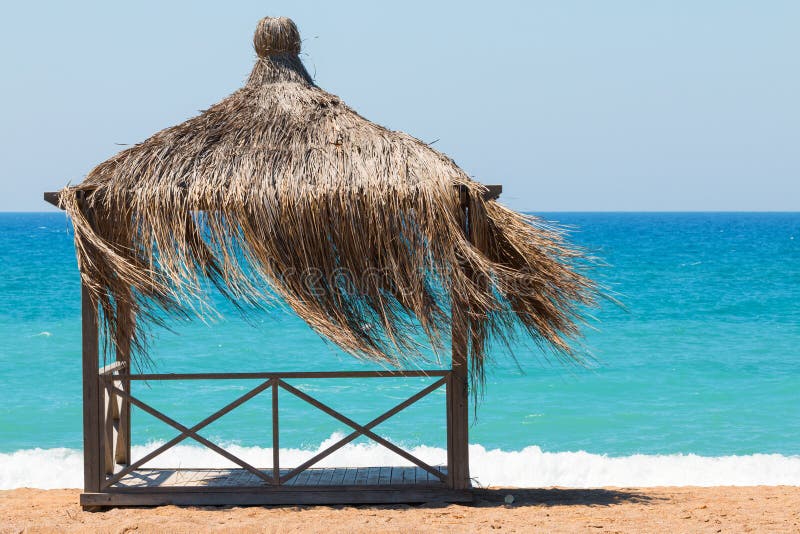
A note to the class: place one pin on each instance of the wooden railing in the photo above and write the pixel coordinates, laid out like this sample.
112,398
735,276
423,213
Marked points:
115,382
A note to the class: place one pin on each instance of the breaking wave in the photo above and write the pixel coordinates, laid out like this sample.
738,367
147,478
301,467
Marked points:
529,467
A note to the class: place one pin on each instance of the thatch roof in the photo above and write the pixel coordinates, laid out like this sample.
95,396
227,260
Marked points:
360,229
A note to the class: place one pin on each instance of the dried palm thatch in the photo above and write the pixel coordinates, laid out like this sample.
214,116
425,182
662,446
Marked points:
368,234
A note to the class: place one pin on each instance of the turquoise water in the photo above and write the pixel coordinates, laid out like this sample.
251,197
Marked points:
704,358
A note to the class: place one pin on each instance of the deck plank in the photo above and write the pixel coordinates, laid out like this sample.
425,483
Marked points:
330,477
222,478
396,476
409,475
385,475
302,478
202,477
349,476
338,476
292,481
187,477
423,477
242,478
326,477
418,476
314,475
373,476
317,474
193,477
214,478
362,475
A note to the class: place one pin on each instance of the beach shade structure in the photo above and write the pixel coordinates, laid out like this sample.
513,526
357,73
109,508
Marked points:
383,245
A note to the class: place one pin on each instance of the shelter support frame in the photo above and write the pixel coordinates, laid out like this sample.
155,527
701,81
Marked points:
109,469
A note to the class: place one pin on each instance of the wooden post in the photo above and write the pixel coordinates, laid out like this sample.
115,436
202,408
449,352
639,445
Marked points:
458,396
458,452
125,325
92,429
276,461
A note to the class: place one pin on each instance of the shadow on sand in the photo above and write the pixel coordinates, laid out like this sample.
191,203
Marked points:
493,497
557,497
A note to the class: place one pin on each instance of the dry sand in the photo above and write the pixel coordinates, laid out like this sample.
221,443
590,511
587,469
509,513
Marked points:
671,510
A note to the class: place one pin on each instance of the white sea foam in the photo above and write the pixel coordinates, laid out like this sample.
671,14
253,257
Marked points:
529,467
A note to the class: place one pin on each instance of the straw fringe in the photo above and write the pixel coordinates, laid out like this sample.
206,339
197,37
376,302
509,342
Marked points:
281,189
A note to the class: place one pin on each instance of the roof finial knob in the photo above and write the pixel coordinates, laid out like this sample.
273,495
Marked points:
276,35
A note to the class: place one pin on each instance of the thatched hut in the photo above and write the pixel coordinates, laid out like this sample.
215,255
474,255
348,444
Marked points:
276,181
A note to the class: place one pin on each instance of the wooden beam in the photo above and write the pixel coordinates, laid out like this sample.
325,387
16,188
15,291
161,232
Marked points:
286,375
111,368
92,431
276,461
52,198
290,495
125,326
492,193
458,398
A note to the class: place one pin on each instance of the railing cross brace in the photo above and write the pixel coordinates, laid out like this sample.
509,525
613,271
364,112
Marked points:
190,432
362,430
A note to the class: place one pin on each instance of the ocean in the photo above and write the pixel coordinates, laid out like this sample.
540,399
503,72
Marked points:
693,379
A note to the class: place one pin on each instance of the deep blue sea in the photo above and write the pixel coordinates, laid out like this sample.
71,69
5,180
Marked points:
695,378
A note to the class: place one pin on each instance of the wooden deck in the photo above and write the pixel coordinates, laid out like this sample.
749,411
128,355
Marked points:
145,479
219,487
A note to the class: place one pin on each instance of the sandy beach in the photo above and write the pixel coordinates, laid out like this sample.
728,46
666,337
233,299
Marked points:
672,509
537,256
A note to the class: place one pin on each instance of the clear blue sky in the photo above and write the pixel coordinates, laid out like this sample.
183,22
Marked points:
592,105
